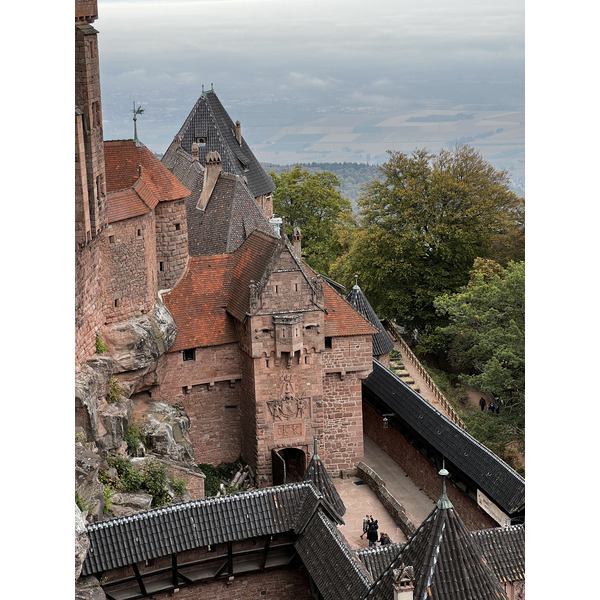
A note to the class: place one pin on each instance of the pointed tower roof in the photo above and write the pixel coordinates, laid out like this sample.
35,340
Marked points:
317,474
209,126
382,343
448,563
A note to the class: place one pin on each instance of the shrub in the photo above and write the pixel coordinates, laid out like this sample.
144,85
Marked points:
133,437
115,391
130,478
155,481
101,347
83,504
178,486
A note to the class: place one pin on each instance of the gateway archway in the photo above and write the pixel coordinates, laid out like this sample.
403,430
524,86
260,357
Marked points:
289,465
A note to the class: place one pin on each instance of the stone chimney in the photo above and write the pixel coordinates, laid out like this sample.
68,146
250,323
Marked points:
195,151
297,242
404,583
238,132
211,175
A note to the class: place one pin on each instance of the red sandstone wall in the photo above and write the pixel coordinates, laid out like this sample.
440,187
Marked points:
209,390
89,308
171,242
422,472
129,272
343,429
88,100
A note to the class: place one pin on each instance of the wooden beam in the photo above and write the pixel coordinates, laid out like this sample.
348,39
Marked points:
174,567
139,579
265,553
230,557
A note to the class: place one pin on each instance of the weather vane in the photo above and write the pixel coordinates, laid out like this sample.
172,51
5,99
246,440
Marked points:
136,111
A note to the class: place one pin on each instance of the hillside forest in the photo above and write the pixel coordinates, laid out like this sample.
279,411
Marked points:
437,244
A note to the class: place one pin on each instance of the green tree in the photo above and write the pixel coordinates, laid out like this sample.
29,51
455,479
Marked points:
487,333
422,225
312,202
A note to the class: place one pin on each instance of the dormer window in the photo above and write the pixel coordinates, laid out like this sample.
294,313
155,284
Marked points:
201,141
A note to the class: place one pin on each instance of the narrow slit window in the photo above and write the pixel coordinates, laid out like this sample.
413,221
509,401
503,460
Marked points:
139,233
161,266
177,226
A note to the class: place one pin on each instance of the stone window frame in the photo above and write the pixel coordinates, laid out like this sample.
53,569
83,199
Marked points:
189,354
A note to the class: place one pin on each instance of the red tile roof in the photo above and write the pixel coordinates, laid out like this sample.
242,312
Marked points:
341,319
123,159
198,303
125,204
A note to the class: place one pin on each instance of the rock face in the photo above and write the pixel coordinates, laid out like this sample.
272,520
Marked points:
128,504
165,428
137,343
82,543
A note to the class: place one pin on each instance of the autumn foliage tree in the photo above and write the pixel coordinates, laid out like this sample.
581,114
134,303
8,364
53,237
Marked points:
422,225
313,203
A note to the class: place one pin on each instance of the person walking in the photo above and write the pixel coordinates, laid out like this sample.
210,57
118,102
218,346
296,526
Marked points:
366,521
385,539
372,534
482,403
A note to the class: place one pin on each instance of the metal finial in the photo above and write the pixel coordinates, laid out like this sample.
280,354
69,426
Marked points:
356,281
316,454
444,501
136,111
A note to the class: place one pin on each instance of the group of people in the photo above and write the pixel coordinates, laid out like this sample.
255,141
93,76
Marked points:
370,528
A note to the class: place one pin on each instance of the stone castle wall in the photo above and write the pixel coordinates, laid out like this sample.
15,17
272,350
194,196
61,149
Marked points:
89,299
208,388
171,242
129,273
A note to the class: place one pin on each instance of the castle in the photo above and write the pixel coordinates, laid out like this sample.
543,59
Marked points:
187,291
267,355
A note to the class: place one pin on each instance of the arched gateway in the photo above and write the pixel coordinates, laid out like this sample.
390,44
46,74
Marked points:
289,465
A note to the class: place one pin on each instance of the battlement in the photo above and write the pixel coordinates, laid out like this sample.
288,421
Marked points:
86,11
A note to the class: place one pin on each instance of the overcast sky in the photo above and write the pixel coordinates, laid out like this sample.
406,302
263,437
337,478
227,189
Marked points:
280,59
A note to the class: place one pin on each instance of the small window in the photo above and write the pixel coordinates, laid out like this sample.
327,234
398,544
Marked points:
116,302
201,141
267,363
306,360
295,287
111,239
328,342
177,226
277,289
139,233
189,354
161,266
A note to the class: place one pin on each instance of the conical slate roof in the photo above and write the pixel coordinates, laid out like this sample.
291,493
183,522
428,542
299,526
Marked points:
448,563
382,343
317,474
209,125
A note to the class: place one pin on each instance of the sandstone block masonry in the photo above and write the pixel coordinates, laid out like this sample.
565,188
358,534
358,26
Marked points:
171,242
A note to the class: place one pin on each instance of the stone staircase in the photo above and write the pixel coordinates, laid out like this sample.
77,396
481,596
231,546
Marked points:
397,366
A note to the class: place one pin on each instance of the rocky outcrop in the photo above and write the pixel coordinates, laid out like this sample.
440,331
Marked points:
89,492
82,543
136,344
128,504
165,428
88,588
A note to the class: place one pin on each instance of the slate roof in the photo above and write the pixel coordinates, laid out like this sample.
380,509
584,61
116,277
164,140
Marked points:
448,563
317,474
198,304
378,559
175,528
332,564
494,477
504,551
382,343
208,119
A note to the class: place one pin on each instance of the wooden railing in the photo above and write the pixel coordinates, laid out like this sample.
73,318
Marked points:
407,353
